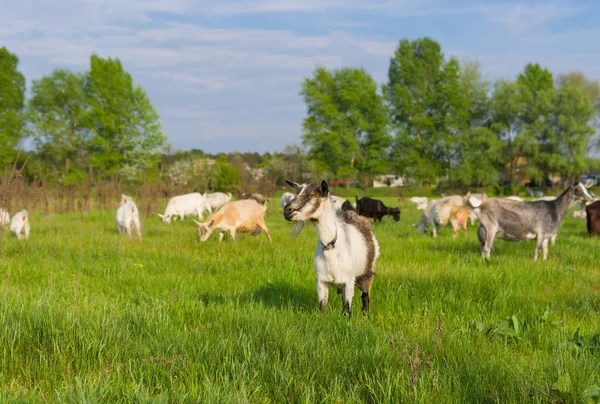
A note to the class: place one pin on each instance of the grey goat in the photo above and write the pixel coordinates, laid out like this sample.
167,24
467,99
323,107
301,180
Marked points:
519,221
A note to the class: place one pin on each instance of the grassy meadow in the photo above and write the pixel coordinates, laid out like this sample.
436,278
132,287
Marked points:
87,315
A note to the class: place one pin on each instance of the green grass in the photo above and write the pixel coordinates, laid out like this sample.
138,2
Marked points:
87,315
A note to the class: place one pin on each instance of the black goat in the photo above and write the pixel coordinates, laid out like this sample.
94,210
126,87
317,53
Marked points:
374,208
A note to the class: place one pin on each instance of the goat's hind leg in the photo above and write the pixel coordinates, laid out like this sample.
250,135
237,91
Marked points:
486,238
261,224
364,283
539,245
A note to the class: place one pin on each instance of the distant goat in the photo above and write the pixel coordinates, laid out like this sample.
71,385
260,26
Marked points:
346,249
581,211
4,219
458,219
438,213
185,205
243,216
519,221
215,200
128,216
285,199
420,201
19,225
592,212
260,199
375,209
341,203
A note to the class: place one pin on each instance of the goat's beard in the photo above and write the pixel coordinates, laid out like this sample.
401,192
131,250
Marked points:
298,227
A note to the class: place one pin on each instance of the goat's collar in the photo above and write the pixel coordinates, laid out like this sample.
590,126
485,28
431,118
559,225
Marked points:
331,244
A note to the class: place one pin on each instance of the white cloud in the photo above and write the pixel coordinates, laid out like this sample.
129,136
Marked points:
522,17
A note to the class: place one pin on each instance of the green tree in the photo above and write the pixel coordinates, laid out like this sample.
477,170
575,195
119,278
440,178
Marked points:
537,140
224,175
427,109
57,113
572,117
505,106
126,128
590,88
12,102
480,151
346,127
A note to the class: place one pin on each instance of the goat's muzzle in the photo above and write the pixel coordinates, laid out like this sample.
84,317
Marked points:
288,213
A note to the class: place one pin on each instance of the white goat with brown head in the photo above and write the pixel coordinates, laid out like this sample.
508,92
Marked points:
346,248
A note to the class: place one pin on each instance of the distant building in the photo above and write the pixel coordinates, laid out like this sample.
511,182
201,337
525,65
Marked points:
388,180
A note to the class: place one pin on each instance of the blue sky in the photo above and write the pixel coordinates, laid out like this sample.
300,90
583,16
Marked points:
225,75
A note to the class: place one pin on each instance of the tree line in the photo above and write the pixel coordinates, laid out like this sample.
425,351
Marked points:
438,120
96,122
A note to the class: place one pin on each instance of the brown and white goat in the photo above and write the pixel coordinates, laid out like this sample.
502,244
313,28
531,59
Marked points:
242,216
346,248
459,217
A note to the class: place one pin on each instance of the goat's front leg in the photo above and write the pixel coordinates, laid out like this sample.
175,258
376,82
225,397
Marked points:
455,228
221,234
347,295
545,249
323,294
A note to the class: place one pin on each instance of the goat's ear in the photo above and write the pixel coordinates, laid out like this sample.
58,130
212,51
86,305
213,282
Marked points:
159,215
294,185
324,188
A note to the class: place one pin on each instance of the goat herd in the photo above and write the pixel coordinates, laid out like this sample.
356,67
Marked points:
347,249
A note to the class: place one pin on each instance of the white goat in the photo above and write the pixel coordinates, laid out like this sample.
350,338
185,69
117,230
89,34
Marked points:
346,249
420,201
128,215
215,200
285,199
581,211
243,216
438,213
184,205
4,219
20,225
